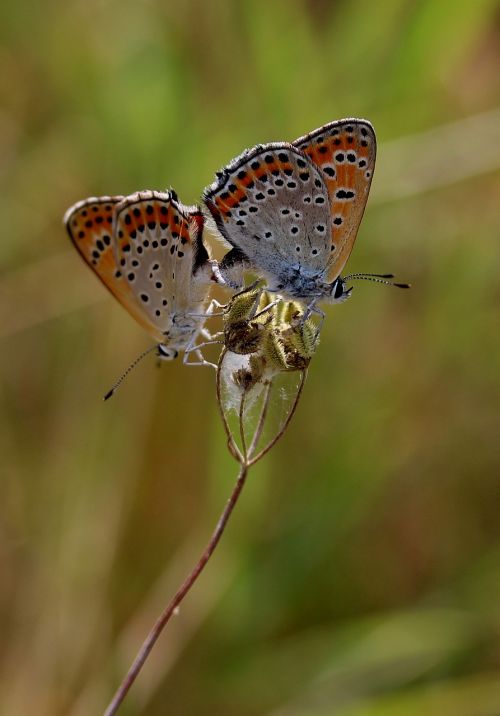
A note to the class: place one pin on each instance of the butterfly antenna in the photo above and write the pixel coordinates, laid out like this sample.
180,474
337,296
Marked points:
377,278
131,366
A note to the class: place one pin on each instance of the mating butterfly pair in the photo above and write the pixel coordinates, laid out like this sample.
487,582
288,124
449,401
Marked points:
291,213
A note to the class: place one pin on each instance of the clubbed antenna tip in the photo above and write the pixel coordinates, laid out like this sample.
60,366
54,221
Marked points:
377,278
120,380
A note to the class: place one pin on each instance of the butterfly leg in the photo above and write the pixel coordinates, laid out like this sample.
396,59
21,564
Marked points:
254,312
191,348
205,333
321,315
214,303
214,340
201,360
310,309
194,348
210,312
267,308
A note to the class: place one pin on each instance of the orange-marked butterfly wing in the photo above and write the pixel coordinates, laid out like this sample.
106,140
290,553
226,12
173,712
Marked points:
344,151
89,224
159,249
146,248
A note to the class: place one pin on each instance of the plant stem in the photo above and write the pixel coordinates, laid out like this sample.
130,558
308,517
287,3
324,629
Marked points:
231,445
262,419
178,596
285,425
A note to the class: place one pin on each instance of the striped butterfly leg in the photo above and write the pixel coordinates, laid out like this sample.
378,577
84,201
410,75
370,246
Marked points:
214,309
194,349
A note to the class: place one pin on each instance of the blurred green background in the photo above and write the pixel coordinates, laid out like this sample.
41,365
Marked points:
360,575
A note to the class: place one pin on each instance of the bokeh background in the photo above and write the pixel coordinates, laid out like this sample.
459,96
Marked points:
360,575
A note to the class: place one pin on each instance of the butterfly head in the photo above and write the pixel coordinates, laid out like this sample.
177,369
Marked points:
337,291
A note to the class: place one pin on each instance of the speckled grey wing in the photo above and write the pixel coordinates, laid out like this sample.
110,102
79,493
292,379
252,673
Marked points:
158,248
271,203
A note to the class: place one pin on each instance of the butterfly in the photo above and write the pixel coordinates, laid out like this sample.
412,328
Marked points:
147,249
291,212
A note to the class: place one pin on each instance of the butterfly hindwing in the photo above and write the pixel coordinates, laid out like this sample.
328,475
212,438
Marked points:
158,248
345,152
90,226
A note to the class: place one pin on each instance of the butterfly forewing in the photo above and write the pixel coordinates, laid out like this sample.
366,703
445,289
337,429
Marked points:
158,245
90,226
272,204
345,153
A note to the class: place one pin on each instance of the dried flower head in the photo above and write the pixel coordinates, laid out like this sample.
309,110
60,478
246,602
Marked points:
263,338
275,335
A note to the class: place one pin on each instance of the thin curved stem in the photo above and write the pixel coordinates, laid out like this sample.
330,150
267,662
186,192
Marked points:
241,419
262,419
231,445
285,425
178,596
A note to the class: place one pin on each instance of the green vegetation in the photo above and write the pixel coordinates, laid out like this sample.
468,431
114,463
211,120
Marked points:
360,575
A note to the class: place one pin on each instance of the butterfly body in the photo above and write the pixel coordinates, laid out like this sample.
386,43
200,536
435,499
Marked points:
291,211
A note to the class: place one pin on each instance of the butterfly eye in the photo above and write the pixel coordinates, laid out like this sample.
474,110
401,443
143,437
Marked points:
166,353
338,288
